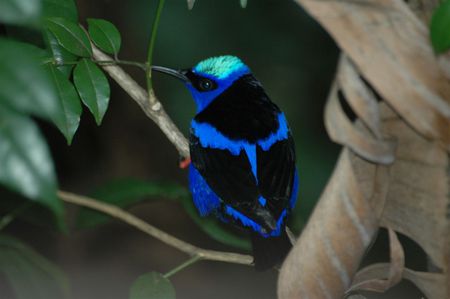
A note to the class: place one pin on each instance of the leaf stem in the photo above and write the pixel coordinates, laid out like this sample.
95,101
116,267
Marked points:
151,47
182,266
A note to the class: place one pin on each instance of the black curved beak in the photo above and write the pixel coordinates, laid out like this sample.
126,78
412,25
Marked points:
177,74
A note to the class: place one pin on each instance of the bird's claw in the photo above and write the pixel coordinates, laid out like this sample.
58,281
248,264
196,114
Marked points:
184,162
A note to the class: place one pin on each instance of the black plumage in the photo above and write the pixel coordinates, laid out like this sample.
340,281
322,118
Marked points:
242,112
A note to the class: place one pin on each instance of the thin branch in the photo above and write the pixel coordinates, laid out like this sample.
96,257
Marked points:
183,266
140,65
113,211
151,47
153,109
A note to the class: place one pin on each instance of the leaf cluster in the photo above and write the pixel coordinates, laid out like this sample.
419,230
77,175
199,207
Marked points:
48,72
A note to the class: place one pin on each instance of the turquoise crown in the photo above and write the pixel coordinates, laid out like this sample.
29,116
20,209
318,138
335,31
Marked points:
221,66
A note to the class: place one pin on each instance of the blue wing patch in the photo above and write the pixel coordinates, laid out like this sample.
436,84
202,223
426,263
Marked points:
250,150
210,137
204,198
255,226
262,201
280,134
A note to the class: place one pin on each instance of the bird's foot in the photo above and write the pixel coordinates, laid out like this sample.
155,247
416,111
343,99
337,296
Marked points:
184,162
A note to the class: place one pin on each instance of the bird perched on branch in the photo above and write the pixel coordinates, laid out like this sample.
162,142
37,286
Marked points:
243,155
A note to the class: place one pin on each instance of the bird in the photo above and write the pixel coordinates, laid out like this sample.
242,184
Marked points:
242,155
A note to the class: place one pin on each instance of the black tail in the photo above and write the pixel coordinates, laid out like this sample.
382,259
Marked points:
269,252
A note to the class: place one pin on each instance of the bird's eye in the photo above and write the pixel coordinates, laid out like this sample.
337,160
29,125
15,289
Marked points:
205,84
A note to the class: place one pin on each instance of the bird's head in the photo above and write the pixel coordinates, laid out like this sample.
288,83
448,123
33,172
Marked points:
209,77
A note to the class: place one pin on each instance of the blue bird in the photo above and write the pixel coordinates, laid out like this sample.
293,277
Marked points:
243,155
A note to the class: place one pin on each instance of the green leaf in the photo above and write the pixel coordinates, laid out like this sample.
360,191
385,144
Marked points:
20,12
152,285
64,9
105,35
59,54
93,88
30,274
26,164
68,119
243,3
127,192
70,36
25,86
60,8
440,28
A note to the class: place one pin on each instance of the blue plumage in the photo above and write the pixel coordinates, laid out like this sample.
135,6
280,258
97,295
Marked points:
208,202
243,155
209,136
204,198
224,70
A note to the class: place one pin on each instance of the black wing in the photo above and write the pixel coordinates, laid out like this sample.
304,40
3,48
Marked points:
276,174
228,175
231,178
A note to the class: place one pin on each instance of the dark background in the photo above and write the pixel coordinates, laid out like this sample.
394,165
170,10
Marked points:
293,58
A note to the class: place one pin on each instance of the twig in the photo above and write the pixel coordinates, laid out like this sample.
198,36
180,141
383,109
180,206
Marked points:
182,266
143,226
154,111
140,65
151,47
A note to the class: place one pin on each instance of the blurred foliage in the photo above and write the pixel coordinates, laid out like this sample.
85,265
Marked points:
30,274
152,286
25,89
20,12
26,163
125,193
